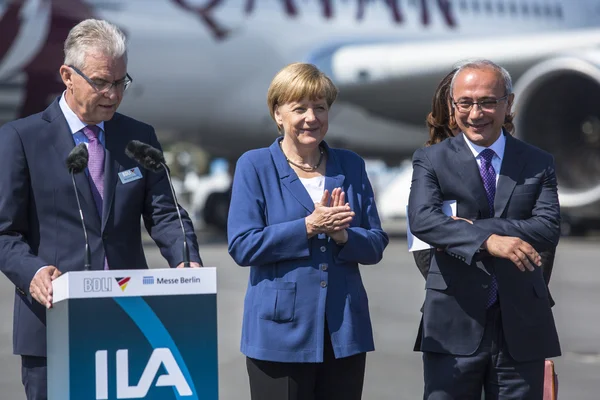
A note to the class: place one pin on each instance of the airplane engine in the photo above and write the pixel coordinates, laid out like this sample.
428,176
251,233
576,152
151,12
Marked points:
557,108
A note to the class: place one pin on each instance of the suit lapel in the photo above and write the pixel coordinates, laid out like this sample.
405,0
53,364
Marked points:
62,142
512,165
469,173
111,168
288,177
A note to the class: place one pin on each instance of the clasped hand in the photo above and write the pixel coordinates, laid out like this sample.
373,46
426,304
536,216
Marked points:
332,216
521,253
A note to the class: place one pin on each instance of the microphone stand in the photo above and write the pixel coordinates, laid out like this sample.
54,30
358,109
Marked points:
186,250
87,263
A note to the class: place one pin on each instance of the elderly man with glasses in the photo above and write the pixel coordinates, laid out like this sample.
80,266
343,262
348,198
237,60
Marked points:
487,321
40,229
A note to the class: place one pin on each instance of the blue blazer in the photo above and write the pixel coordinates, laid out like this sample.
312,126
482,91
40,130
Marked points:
39,218
526,206
296,282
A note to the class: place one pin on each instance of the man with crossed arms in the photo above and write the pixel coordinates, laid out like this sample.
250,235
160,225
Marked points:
487,320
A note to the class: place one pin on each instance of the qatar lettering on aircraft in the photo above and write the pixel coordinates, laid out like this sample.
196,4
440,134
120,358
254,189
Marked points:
291,8
45,25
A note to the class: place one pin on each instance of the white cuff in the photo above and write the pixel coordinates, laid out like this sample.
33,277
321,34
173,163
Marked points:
37,272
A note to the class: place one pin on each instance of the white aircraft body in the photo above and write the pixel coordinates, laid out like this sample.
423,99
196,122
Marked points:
201,69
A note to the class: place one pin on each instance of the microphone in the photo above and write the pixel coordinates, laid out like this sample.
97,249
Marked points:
152,159
77,161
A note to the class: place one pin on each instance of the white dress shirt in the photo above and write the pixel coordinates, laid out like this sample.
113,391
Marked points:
76,125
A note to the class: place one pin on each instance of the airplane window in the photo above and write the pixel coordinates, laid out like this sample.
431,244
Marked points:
525,9
559,11
537,9
547,10
464,5
363,75
475,6
500,7
513,8
488,7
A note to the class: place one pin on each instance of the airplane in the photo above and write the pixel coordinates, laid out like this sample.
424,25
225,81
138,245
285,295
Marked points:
201,69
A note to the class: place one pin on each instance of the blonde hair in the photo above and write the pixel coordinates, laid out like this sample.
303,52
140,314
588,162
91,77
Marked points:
297,81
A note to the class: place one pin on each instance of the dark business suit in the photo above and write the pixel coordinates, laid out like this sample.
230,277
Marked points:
455,315
423,261
39,218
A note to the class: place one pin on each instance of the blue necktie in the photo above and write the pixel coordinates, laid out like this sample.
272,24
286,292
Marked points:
488,175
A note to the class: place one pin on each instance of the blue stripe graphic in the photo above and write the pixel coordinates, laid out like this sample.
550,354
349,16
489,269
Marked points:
156,333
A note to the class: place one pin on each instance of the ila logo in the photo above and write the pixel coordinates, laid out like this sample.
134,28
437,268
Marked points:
173,377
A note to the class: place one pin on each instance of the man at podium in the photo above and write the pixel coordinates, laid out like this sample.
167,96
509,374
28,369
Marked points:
41,234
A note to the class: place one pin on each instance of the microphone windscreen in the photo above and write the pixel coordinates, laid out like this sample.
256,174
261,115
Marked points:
147,156
77,160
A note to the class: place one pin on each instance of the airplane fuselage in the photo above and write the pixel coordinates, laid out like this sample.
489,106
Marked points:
201,68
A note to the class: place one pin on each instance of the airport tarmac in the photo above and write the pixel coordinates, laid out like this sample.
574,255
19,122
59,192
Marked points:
396,291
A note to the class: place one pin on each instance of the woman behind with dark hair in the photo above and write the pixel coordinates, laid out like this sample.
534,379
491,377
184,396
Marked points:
442,125
440,120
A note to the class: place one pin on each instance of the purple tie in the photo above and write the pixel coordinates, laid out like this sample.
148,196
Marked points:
488,175
96,167
96,158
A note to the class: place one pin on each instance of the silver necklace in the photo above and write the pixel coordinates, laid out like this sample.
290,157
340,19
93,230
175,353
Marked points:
302,167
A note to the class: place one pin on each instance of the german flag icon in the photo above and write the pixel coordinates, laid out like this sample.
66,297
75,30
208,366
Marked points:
123,282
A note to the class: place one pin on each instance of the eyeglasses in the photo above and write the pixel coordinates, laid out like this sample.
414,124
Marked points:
103,86
485,105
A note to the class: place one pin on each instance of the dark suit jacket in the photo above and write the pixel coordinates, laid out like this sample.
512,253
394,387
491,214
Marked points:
423,261
526,206
39,218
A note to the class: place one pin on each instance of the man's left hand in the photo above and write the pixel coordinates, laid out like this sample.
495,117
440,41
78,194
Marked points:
193,264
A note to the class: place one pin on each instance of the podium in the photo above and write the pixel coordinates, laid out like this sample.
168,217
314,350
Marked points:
133,334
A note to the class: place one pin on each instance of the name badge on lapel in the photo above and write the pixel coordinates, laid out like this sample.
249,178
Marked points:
130,175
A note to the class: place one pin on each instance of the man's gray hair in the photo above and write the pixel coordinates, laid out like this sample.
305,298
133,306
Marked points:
482,64
93,35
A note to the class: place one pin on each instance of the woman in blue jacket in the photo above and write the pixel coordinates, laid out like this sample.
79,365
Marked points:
303,217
